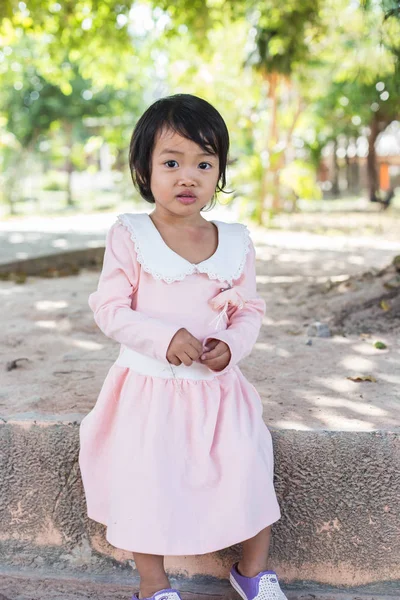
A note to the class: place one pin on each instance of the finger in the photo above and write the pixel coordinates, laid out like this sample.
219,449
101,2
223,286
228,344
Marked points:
213,363
192,352
219,350
217,364
175,361
197,345
185,358
211,345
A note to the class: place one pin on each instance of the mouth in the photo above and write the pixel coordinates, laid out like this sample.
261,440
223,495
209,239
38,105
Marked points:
186,195
186,198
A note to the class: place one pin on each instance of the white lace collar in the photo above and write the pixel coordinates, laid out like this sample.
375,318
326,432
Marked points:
158,259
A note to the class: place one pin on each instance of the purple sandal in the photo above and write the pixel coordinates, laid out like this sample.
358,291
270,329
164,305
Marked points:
167,594
264,586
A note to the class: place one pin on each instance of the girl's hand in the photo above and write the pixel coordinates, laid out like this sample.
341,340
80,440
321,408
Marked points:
184,348
217,355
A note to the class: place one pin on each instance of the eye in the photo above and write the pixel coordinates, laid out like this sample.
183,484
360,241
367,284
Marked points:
204,166
171,164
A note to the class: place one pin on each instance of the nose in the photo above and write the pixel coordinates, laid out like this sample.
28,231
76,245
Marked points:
187,178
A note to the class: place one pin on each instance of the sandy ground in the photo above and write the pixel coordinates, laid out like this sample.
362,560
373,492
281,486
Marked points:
304,276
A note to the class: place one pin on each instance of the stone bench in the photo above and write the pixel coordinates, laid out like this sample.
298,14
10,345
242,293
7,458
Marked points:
338,493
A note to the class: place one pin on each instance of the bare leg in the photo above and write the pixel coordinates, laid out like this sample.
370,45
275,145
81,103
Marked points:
153,577
255,554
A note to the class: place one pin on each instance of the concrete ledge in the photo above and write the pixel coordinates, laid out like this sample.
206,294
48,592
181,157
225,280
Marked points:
30,586
338,493
55,264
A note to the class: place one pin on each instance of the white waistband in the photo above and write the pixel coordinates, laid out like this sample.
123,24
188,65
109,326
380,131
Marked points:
146,365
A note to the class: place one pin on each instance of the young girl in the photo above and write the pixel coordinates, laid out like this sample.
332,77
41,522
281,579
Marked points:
175,456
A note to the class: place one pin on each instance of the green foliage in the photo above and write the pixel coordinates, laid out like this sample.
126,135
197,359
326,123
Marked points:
390,8
76,31
300,178
53,185
356,80
197,17
85,70
282,34
245,181
37,105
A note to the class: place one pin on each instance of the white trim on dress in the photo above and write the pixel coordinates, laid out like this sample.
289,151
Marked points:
159,260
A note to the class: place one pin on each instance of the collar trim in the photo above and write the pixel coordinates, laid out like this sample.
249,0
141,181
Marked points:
159,260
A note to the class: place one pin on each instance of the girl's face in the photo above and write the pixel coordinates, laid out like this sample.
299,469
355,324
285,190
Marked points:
183,176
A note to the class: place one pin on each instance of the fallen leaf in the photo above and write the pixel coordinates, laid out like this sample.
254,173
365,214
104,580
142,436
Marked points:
385,305
380,345
13,364
393,283
358,378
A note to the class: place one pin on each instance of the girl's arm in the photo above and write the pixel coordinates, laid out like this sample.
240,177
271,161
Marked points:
111,303
244,323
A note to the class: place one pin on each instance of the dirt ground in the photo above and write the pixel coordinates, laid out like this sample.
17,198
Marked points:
330,271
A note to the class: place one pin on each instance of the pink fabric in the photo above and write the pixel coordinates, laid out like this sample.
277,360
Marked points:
170,466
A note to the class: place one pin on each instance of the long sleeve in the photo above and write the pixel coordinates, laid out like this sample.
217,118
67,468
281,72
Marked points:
111,303
244,324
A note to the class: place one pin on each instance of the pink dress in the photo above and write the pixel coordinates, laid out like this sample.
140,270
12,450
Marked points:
177,460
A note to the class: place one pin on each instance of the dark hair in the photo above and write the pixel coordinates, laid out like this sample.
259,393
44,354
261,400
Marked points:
190,117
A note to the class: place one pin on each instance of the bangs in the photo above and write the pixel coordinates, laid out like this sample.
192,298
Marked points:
203,134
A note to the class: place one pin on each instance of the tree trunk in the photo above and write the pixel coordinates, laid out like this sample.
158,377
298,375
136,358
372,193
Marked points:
372,171
69,167
273,96
357,176
272,79
10,201
259,213
335,179
349,173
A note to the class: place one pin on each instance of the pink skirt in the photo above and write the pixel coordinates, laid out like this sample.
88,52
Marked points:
177,467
